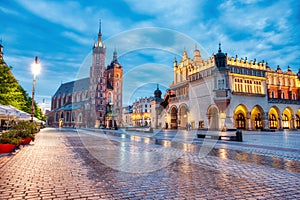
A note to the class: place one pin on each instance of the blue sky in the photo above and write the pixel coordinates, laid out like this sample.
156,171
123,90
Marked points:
147,35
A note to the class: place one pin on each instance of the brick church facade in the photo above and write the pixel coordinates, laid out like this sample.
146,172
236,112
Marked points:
95,101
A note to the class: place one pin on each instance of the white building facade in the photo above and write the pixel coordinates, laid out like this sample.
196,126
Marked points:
224,93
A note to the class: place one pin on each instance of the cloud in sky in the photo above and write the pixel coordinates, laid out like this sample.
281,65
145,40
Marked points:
62,33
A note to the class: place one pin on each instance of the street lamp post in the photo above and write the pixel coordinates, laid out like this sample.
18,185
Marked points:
35,68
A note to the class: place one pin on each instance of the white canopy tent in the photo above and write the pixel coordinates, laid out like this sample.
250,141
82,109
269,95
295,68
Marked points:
10,113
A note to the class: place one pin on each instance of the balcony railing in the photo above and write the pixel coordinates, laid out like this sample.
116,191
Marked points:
249,94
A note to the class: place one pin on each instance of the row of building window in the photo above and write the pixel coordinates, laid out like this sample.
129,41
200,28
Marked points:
246,71
283,95
275,80
248,86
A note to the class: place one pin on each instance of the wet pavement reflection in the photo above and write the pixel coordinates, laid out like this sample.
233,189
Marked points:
166,139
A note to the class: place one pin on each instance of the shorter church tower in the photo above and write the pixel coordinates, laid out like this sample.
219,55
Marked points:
114,74
156,108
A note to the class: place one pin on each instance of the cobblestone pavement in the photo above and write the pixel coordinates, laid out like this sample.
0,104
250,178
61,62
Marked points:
65,164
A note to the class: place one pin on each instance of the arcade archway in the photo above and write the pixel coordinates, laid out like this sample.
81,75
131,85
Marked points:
183,116
273,117
174,113
257,117
240,117
287,116
297,120
213,118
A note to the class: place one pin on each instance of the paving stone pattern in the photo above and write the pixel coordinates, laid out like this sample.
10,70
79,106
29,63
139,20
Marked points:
58,166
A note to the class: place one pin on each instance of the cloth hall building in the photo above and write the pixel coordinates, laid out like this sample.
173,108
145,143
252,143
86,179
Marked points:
224,92
93,101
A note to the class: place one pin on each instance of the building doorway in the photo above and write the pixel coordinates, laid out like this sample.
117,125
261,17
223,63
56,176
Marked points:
174,113
213,118
183,117
240,121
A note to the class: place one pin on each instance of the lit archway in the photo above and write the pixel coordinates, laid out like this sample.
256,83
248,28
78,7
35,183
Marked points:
213,118
273,117
257,117
287,116
240,117
174,113
183,116
297,120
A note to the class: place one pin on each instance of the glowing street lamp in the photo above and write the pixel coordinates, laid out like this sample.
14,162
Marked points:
36,69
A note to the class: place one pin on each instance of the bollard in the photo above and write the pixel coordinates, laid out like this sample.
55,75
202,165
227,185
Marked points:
239,136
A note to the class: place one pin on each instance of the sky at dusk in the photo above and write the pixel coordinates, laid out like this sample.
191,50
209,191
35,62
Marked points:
147,35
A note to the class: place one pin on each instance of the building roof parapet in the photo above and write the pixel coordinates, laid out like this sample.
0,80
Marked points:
246,63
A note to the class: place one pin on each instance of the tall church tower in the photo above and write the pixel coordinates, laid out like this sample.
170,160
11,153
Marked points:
98,82
114,92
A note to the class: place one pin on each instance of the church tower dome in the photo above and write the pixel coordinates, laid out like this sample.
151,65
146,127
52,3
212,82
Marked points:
220,58
157,93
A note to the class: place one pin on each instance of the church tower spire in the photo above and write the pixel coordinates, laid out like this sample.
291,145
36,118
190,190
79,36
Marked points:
115,56
99,41
100,33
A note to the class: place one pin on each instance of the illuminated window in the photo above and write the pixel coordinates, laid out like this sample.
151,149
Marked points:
238,85
248,86
294,96
272,94
257,87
